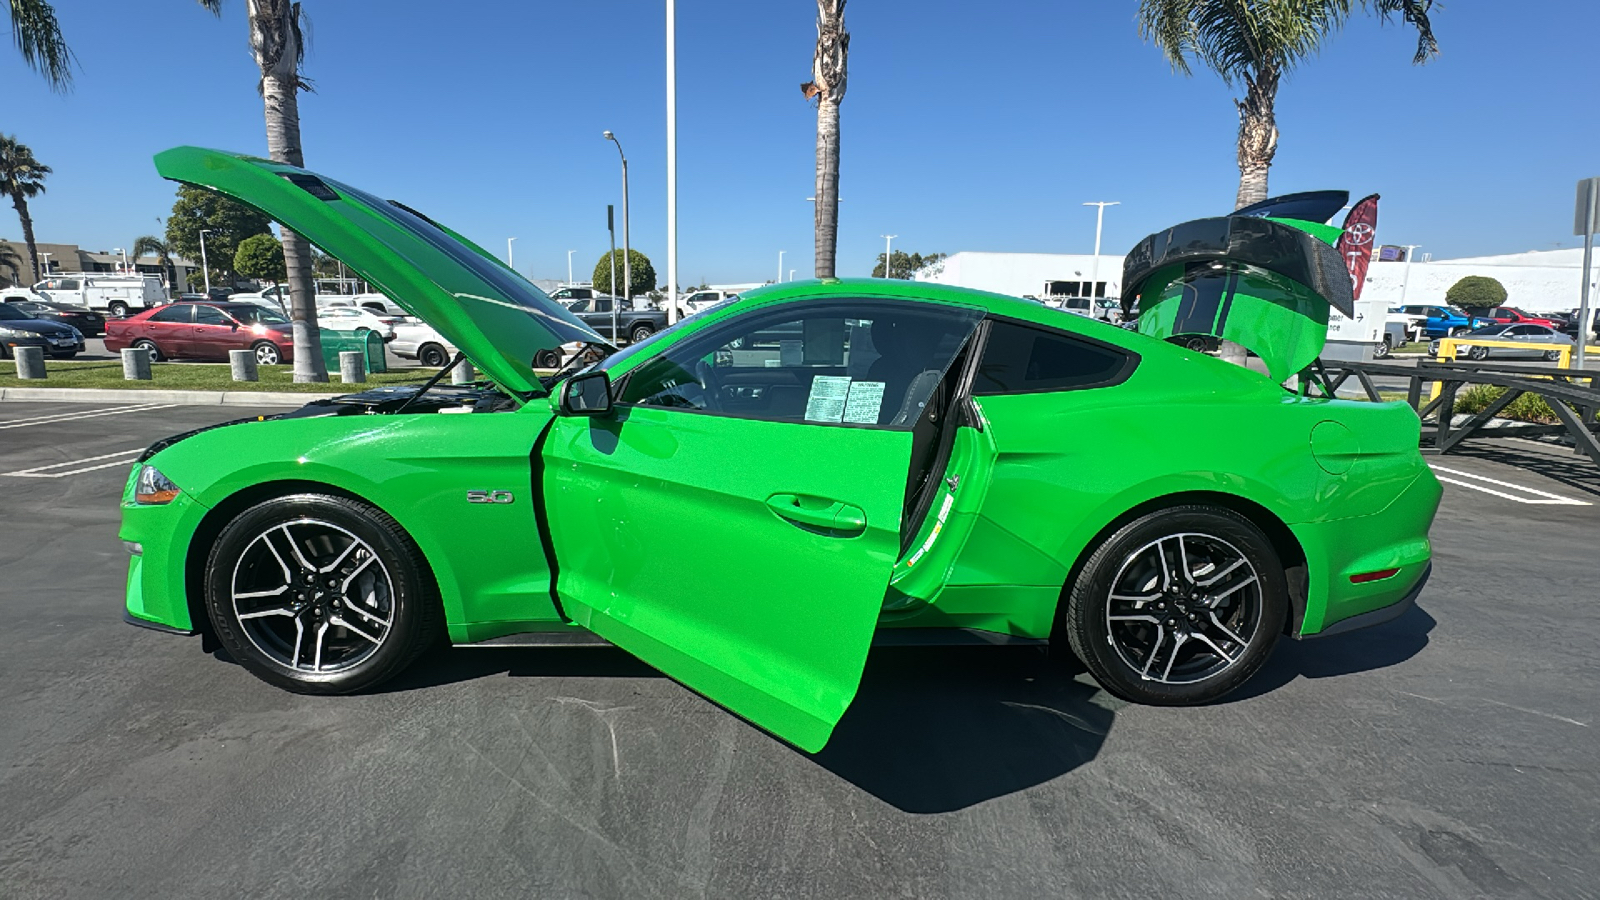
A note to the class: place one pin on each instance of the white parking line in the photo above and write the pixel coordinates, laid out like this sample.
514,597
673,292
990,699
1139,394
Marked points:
66,417
120,458
1538,497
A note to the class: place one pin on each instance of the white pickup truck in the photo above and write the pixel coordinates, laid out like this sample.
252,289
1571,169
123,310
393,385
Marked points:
115,295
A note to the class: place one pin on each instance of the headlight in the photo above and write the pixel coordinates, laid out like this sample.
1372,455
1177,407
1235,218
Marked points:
14,333
153,488
76,334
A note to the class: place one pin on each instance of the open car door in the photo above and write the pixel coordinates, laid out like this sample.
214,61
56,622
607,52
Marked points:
734,519
1262,282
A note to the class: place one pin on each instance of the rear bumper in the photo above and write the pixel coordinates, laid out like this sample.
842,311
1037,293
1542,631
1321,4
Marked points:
1379,616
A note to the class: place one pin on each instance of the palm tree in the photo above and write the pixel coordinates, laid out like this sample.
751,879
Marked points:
1258,42
38,37
151,245
278,43
22,178
10,260
827,84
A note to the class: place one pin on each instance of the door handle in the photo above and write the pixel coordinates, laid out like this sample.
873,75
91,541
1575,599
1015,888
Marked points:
818,512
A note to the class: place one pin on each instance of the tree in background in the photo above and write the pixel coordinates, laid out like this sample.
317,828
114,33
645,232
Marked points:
38,38
150,245
829,73
22,179
229,221
277,39
10,261
260,257
1476,292
904,264
1258,42
644,274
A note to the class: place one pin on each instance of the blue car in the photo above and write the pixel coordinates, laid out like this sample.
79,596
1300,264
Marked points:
1446,321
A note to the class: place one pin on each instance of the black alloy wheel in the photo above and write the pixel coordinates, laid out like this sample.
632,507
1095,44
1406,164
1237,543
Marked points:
320,594
432,356
1178,607
640,332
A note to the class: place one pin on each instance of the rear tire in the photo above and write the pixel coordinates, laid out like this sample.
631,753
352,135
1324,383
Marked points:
267,354
1178,607
1552,356
432,356
547,359
320,595
639,333
149,347
1477,353
1382,350
117,308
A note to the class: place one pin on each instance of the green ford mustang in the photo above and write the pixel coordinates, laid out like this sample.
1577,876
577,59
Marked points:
749,500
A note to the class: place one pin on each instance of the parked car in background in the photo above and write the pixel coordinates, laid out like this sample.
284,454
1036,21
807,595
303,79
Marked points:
1395,334
377,303
700,301
1445,321
354,318
1105,309
1540,342
633,325
115,295
1510,315
1415,324
87,321
205,330
1570,326
20,329
422,342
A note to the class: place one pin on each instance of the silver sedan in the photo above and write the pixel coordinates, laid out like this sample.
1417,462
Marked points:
1539,342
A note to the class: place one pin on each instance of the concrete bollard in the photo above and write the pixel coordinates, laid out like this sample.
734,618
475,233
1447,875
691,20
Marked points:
463,373
352,366
136,364
243,363
30,362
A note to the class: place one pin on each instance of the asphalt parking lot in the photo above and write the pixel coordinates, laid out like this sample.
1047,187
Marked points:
1452,753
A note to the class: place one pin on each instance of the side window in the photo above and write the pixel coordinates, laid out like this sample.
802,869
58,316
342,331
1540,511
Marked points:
602,304
178,312
1020,359
68,284
210,315
863,364
578,306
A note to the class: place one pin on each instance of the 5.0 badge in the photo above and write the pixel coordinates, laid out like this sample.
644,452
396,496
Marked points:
489,497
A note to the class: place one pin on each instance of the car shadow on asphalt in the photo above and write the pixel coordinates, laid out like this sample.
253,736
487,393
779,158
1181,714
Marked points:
1368,649
935,730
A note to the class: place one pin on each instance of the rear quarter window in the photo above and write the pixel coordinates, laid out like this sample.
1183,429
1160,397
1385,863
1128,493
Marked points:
1022,359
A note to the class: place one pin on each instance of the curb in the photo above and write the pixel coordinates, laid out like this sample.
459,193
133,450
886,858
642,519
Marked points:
181,398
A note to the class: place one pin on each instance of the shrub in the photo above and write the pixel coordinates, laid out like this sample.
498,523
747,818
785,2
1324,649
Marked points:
643,274
1526,408
1476,291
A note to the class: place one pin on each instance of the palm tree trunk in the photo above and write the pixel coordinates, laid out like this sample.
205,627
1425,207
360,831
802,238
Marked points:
275,39
1258,136
21,203
829,74
827,211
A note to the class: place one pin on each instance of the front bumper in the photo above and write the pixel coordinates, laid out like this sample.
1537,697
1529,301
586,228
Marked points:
49,345
158,589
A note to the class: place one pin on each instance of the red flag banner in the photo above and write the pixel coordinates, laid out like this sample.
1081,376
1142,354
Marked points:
1355,245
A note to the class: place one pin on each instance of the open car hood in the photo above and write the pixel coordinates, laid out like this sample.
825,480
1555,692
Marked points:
1264,283
495,316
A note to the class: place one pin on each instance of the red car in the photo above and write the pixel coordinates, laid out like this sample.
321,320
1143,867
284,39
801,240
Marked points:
205,330
1510,315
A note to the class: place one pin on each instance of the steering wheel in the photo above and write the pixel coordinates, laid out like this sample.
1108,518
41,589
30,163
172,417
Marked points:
706,374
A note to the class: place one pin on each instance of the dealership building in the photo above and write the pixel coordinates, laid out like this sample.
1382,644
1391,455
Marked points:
1536,281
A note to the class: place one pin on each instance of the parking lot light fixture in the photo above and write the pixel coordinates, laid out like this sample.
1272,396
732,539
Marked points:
627,248
569,266
1099,222
888,243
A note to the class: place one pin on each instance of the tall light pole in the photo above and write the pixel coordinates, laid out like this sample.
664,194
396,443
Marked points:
569,266
627,250
672,162
205,267
1405,277
780,264
1099,222
511,260
888,241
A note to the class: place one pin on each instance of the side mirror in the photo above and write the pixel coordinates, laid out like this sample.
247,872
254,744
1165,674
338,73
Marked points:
588,394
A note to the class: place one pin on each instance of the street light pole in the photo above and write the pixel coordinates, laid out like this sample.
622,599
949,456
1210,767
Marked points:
672,162
1405,277
611,228
1099,222
511,260
780,264
569,266
205,267
888,241
627,249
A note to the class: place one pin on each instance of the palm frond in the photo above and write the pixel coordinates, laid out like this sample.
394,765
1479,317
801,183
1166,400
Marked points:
20,172
38,36
212,6
1415,13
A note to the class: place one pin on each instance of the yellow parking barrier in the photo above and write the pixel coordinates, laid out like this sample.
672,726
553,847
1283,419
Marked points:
1448,346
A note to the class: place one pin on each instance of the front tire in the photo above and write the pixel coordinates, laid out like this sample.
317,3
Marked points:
1478,353
1383,349
267,354
547,359
319,594
1552,356
640,332
150,348
117,308
1178,607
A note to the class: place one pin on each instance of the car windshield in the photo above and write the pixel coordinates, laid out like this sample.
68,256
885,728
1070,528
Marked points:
257,314
9,313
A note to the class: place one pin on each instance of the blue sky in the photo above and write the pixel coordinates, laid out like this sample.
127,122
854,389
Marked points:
965,127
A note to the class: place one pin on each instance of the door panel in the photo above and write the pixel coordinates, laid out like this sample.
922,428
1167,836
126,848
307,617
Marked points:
698,543
924,569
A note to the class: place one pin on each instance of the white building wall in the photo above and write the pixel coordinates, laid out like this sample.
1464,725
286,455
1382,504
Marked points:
1018,274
